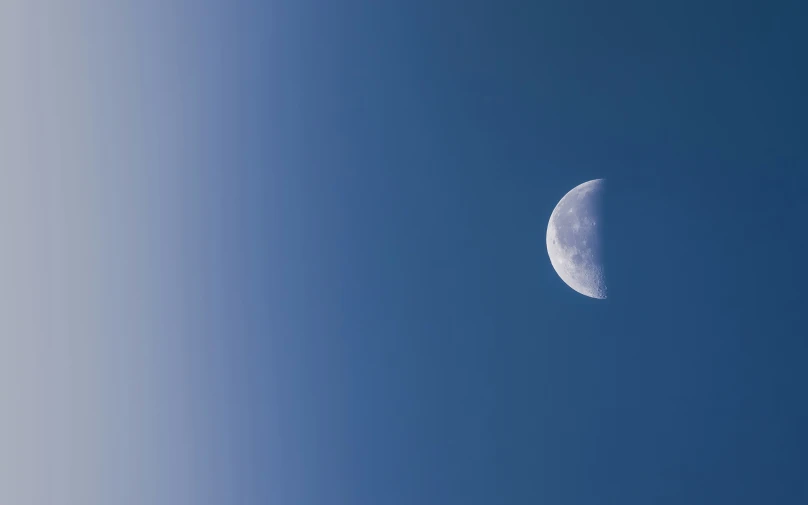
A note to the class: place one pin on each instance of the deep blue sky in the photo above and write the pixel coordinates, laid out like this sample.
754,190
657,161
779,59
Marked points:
397,333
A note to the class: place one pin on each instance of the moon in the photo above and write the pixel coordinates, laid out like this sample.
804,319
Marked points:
574,242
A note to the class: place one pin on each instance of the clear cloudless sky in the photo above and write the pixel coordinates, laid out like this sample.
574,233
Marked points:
369,315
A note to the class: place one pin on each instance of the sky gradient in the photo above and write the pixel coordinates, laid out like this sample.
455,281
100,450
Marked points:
293,253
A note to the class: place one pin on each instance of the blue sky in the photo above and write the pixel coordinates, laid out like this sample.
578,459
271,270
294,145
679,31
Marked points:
292,252
432,142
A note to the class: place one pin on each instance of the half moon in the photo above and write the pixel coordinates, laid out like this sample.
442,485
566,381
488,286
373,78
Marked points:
574,239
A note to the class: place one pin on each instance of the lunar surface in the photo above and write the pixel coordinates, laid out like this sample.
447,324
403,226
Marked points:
574,239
